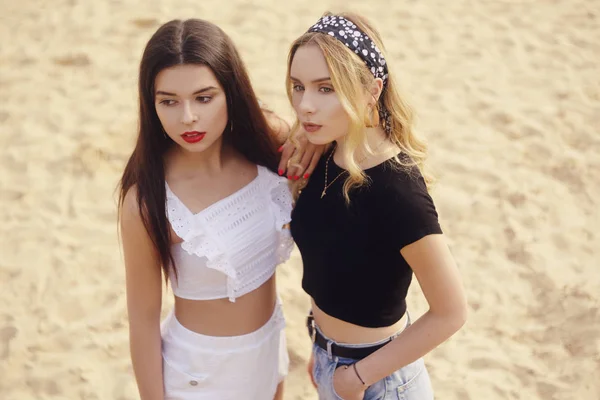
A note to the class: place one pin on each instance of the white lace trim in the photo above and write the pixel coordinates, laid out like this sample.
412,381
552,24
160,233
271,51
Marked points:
196,232
286,245
281,200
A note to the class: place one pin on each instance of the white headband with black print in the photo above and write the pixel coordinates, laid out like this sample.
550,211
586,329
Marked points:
356,40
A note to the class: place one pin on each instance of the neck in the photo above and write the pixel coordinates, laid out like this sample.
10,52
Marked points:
373,144
210,161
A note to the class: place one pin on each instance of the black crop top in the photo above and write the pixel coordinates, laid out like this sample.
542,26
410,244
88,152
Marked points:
353,268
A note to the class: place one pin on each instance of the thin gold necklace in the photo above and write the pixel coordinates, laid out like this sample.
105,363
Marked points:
326,186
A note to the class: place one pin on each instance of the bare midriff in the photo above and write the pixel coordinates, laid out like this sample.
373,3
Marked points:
222,317
345,332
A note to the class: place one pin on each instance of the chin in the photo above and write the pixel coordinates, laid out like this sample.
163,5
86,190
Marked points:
192,147
318,140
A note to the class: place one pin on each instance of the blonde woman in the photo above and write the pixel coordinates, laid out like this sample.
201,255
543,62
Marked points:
364,222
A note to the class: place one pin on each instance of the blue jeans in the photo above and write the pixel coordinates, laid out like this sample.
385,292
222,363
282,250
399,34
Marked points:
408,383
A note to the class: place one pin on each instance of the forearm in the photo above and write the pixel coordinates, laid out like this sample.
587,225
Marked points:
146,357
420,338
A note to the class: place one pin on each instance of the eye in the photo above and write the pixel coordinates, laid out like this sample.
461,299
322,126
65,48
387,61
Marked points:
297,88
203,99
167,102
325,89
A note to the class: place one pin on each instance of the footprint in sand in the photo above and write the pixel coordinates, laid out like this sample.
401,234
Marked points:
485,363
73,60
46,386
145,23
6,335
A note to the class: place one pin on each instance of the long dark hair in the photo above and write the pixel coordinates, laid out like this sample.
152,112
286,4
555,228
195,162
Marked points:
177,42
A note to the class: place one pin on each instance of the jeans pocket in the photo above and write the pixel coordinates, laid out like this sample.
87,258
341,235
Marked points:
376,391
412,382
323,371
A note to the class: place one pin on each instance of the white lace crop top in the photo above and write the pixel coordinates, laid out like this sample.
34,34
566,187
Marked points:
233,246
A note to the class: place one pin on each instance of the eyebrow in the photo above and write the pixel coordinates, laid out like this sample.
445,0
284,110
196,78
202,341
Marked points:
314,81
206,89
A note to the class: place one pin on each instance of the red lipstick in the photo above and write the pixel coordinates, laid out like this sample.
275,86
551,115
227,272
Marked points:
193,136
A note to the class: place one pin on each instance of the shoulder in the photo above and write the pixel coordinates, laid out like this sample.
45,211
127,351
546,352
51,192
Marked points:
278,186
129,209
133,229
268,175
399,183
404,205
401,192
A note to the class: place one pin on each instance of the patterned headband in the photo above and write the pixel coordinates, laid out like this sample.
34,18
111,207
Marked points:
348,33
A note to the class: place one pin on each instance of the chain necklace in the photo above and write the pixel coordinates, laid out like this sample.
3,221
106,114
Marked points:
326,186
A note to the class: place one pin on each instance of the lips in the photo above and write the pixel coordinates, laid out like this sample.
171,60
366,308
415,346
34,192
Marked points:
193,137
310,127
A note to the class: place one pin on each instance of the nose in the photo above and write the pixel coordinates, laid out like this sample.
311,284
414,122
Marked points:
306,105
189,116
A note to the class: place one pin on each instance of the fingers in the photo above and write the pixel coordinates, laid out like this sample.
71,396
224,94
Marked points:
309,161
299,158
314,161
286,150
300,170
295,168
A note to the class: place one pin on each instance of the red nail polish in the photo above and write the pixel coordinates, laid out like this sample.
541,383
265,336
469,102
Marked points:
280,172
296,178
306,176
280,149
290,178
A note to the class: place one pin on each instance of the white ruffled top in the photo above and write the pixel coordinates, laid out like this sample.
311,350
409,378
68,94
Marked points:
233,246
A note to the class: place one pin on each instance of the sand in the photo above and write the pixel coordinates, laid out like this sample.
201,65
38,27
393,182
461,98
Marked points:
508,96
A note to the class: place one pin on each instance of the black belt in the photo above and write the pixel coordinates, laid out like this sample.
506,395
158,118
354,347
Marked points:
355,353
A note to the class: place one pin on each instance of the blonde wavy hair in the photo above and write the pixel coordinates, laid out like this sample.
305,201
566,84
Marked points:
351,78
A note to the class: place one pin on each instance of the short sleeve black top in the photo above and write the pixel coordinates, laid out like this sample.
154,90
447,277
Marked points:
353,268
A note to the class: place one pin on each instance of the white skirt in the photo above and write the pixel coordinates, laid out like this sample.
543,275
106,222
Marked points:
199,367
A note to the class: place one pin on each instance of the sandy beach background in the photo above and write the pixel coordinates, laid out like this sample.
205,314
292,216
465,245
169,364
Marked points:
508,96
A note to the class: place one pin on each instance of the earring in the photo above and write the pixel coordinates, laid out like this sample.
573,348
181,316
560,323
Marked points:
371,117
385,116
